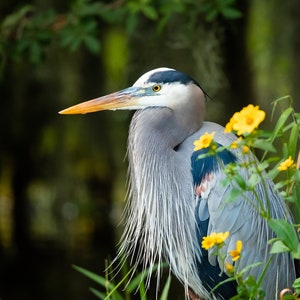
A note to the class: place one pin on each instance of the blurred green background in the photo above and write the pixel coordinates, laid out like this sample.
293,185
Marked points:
63,178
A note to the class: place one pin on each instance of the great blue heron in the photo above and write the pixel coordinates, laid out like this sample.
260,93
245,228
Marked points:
167,213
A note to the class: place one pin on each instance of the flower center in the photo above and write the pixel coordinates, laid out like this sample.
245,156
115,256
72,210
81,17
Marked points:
249,121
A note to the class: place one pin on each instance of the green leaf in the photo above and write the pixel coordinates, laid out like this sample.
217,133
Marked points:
233,195
296,285
280,185
253,181
211,15
12,19
279,247
249,267
231,13
297,254
274,172
91,9
142,290
92,43
98,294
75,44
263,166
296,176
297,117
240,181
150,12
102,281
134,283
93,276
89,26
280,123
131,23
223,282
264,145
114,292
292,144
296,203
286,233
165,292
285,150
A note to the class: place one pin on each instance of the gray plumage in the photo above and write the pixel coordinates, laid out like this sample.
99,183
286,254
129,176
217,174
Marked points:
161,223
163,211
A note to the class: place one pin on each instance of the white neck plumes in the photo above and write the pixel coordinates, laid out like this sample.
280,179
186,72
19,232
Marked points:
160,214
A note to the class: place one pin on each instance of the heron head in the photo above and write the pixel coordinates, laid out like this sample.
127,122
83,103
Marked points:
162,87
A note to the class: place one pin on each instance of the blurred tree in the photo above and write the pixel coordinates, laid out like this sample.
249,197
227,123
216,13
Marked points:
293,16
272,47
63,175
237,63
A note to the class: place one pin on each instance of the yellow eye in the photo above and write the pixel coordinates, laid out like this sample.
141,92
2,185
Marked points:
156,88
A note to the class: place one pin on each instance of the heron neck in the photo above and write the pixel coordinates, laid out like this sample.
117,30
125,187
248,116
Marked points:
160,188
159,127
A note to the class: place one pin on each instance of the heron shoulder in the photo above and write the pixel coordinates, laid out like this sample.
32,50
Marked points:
222,138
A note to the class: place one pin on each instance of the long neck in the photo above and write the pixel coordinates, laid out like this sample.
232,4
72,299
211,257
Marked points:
160,221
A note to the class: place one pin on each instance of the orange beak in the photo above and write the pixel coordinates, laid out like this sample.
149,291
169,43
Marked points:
124,99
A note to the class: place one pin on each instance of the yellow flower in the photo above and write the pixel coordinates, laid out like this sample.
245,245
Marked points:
229,125
287,164
246,120
229,267
245,149
236,253
214,239
204,141
221,237
234,145
207,242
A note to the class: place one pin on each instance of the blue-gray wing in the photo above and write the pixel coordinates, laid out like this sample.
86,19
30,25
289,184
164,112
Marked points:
216,213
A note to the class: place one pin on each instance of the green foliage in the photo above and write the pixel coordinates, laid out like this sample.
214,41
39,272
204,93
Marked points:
27,33
217,8
258,171
248,288
287,240
123,289
280,148
25,36
296,286
110,287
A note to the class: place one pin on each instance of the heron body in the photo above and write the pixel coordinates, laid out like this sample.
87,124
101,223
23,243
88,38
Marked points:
175,199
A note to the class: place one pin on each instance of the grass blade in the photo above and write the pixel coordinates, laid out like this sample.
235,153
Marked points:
98,294
280,123
114,290
165,292
93,276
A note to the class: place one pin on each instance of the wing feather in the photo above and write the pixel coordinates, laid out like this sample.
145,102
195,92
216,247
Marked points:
240,217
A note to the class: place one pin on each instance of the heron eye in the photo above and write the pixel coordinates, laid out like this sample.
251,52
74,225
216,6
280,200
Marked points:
156,88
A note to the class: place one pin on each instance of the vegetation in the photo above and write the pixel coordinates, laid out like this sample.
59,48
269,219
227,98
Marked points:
62,181
129,285
278,164
27,33
276,160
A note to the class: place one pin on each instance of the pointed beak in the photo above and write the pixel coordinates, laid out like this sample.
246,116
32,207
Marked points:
124,99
